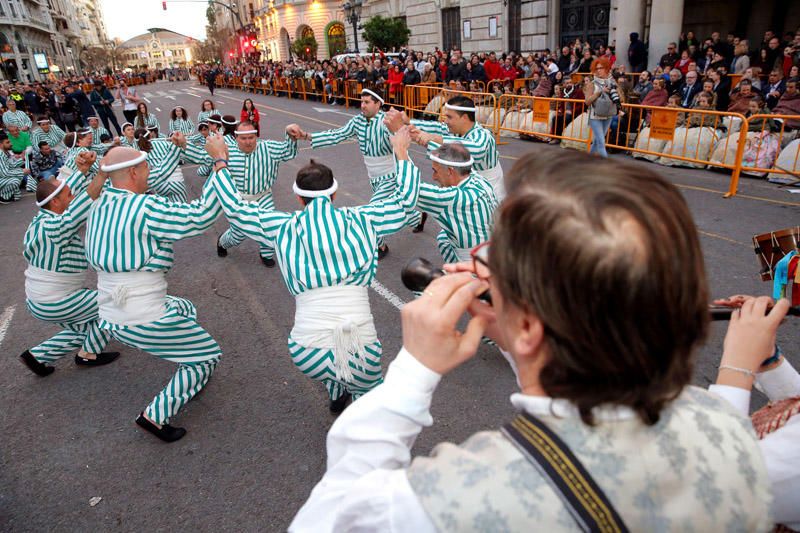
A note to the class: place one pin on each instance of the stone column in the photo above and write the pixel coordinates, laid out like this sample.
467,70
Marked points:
666,23
628,18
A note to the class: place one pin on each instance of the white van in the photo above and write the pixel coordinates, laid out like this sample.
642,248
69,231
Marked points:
367,56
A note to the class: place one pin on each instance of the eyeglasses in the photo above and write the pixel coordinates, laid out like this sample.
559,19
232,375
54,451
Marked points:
480,261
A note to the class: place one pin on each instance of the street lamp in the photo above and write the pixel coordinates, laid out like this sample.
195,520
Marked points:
352,13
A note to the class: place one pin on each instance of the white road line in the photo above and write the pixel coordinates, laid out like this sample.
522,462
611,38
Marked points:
147,95
158,109
146,99
162,93
220,102
5,321
195,95
391,297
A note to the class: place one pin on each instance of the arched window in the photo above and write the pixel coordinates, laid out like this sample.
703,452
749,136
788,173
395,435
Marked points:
337,41
20,43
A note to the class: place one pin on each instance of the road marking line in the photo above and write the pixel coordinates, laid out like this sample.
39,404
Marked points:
5,321
195,95
146,100
158,109
147,95
723,238
391,297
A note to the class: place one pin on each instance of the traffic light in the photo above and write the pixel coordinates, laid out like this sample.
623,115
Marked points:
164,5
230,54
308,50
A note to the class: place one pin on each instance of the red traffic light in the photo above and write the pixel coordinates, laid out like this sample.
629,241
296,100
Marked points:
164,5
230,54
308,49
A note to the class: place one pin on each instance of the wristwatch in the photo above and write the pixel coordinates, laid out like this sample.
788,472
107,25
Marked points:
220,161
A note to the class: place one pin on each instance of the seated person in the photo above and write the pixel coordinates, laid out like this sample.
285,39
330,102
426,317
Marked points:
740,100
789,104
46,162
20,140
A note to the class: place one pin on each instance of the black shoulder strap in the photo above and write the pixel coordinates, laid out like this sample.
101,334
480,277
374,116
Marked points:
582,497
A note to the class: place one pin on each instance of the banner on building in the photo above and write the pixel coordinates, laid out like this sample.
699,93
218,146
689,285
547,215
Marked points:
662,125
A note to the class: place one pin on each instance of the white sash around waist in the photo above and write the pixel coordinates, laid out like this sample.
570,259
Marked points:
255,197
494,176
380,165
335,318
131,298
45,286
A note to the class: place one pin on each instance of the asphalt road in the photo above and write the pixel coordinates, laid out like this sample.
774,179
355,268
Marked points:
256,441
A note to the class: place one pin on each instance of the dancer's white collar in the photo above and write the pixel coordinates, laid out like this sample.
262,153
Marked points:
61,184
315,194
447,163
460,108
372,93
125,164
245,132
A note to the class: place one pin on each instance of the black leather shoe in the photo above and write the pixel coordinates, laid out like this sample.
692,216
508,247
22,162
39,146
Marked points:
383,251
102,358
221,252
421,226
40,369
338,405
166,433
269,263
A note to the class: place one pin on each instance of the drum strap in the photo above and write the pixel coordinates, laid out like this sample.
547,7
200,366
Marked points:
552,458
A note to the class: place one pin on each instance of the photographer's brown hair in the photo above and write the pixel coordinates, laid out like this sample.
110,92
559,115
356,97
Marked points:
606,254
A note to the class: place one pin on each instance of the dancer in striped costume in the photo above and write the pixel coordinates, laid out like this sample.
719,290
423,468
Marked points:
163,156
180,121
254,166
78,142
373,141
462,202
144,118
11,173
459,126
56,273
49,133
14,117
128,137
328,258
129,240
98,131
206,110
195,151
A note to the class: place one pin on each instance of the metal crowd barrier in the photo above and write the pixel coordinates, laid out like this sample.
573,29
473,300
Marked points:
541,118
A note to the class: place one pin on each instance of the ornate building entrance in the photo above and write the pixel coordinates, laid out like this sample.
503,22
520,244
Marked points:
585,19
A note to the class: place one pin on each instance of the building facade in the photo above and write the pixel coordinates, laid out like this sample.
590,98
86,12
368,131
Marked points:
156,49
522,25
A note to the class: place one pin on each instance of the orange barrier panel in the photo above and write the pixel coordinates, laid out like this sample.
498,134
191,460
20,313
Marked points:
417,99
486,113
768,146
540,118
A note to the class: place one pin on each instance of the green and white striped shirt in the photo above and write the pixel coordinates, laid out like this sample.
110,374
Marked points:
372,134
9,168
202,116
17,118
257,171
149,120
465,211
52,241
162,159
183,125
123,141
54,137
320,246
97,133
478,140
129,232
78,181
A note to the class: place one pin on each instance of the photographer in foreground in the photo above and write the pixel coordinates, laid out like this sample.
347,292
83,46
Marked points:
600,320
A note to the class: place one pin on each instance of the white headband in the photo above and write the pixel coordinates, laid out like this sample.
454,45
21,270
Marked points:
151,128
126,124
42,121
315,194
447,163
53,194
230,123
74,140
372,94
125,164
460,108
245,132
213,121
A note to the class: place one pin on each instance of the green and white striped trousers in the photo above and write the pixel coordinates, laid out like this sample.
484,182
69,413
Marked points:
173,190
383,189
446,248
77,314
9,188
233,237
175,337
318,364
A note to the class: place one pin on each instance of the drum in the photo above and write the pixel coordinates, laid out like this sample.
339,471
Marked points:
773,246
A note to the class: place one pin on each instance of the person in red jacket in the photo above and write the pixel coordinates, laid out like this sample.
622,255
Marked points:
395,82
492,68
249,112
508,71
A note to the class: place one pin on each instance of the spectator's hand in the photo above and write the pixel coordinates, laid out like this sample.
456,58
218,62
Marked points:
85,160
479,307
733,301
216,147
429,323
751,334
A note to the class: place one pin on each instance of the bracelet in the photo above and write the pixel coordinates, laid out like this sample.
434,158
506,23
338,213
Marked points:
220,161
748,373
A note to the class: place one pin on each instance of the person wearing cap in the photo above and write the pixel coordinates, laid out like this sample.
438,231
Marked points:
462,202
15,117
328,259
56,273
129,242
12,173
373,142
144,118
253,164
459,126
98,131
49,133
180,121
